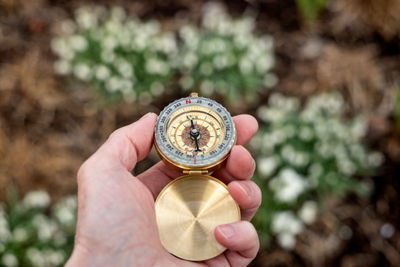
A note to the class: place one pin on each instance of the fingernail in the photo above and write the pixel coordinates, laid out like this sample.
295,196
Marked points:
227,231
254,166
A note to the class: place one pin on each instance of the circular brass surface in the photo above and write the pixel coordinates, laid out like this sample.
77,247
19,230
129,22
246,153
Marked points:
188,209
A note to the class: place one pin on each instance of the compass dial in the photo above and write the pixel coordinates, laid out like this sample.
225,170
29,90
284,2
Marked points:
195,132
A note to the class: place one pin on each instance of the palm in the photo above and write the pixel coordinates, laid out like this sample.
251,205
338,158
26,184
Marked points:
116,210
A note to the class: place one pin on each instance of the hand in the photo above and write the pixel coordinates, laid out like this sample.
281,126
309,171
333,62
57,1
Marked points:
116,219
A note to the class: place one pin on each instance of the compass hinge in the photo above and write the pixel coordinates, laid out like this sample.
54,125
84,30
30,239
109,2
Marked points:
195,172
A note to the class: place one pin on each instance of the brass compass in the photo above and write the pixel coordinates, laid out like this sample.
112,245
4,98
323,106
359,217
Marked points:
194,135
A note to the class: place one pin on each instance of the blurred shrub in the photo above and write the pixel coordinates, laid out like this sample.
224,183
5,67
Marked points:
127,58
310,9
225,56
397,109
305,155
33,235
121,56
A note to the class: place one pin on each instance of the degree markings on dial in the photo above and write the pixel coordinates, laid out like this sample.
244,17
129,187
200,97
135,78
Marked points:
220,137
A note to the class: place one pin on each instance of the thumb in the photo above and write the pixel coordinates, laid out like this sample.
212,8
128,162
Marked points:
130,143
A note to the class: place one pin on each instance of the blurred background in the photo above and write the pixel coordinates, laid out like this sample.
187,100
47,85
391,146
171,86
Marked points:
321,77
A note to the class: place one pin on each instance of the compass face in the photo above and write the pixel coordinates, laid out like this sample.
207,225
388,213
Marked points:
195,132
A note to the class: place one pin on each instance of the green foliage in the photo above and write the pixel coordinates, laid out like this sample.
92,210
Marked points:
311,9
305,155
32,234
225,56
397,109
122,56
126,58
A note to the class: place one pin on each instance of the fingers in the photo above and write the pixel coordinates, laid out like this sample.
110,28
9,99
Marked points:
241,240
129,144
246,128
247,195
240,165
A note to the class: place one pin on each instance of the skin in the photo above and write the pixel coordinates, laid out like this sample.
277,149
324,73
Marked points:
116,218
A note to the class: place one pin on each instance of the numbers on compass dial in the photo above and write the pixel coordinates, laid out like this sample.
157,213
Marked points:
195,130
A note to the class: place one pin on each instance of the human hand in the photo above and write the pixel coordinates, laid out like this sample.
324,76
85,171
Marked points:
116,217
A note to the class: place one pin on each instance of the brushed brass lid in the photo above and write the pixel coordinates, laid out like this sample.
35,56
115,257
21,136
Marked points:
187,210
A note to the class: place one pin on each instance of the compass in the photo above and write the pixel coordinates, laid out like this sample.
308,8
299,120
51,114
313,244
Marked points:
194,135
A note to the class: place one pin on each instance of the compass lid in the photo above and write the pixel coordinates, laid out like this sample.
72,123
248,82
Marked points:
187,210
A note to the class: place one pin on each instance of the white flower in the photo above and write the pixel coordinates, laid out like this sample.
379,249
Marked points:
65,216
5,234
166,43
244,25
118,13
124,68
245,65
306,133
206,68
156,88
20,234
207,87
286,240
102,73
270,80
35,256
189,60
139,42
315,170
156,66
47,230
267,165
107,56
358,128
61,47
82,72
308,212
288,185
62,67
221,61
36,199
86,18
375,159
71,202
54,257
78,42
346,166
186,82
110,43
114,84
264,63
286,222
9,260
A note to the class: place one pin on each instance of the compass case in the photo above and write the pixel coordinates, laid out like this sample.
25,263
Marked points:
188,210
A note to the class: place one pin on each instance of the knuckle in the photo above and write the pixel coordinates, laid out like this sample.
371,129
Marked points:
115,135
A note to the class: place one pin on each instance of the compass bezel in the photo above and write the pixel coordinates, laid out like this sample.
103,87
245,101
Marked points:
178,158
